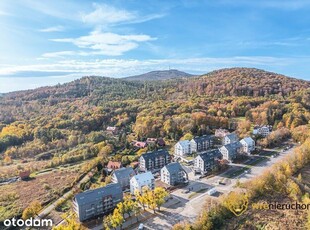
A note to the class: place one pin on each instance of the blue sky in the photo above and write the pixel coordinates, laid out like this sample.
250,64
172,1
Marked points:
50,42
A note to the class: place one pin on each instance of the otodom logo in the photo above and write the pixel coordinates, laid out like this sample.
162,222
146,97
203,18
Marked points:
238,203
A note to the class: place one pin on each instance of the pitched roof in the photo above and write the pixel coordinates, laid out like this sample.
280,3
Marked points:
247,140
174,167
184,143
97,194
161,141
232,146
154,154
210,155
24,174
151,139
124,173
114,165
203,138
143,177
140,144
232,136
111,128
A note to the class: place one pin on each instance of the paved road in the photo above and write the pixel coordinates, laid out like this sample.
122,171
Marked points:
190,205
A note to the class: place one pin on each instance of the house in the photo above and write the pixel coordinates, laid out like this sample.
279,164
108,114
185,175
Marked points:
24,175
206,162
139,181
230,138
161,142
248,145
230,151
112,165
182,148
151,141
262,130
123,176
112,129
156,141
221,133
199,144
140,144
173,174
97,202
155,160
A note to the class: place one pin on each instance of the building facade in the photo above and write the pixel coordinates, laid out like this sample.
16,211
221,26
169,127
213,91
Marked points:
248,145
231,151
154,161
200,144
182,148
123,176
173,174
97,202
138,182
262,130
206,162
230,138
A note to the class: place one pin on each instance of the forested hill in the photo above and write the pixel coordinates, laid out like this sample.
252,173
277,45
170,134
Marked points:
168,108
226,82
244,82
159,75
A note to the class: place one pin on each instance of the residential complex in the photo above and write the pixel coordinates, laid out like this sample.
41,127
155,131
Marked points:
182,148
248,145
206,162
173,174
199,144
139,181
123,176
230,151
230,138
154,161
96,202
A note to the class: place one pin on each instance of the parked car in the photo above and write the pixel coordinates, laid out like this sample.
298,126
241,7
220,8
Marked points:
211,192
141,227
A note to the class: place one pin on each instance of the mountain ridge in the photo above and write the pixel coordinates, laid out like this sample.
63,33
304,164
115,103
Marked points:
238,76
159,75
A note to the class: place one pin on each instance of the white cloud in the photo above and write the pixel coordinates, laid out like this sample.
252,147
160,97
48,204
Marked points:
125,67
109,44
105,14
53,29
58,54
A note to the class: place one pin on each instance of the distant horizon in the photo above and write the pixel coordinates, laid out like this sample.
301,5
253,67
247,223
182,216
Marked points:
123,77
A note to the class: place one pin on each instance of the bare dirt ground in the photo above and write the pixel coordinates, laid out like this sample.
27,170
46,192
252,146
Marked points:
44,188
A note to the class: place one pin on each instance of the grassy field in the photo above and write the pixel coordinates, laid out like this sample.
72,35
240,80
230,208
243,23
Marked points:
15,197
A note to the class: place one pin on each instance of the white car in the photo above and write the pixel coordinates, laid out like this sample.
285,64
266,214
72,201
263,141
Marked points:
212,191
141,227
